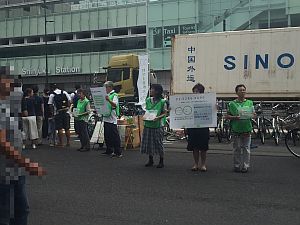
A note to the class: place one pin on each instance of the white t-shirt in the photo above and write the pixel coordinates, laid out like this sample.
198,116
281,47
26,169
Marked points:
57,91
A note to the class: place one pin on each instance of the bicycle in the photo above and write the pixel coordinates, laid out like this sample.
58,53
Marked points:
92,121
173,135
261,125
223,128
292,139
276,121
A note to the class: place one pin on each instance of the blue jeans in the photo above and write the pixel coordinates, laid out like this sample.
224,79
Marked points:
14,206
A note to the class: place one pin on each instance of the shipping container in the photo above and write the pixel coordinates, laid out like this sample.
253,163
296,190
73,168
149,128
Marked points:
266,61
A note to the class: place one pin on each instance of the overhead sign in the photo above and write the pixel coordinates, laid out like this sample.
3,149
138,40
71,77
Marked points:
42,71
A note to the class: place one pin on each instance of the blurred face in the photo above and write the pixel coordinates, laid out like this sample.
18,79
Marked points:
6,86
152,92
81,95
108,89
241,92
30,94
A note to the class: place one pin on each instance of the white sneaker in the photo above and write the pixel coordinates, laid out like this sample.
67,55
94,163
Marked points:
33,146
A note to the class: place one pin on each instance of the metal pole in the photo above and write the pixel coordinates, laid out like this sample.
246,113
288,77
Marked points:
46,45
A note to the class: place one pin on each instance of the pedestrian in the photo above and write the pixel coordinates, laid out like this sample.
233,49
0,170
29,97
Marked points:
82,116
152,139
45,133
14,207
111,133
74,99
29,119
60,101
198,139
39,113
240,112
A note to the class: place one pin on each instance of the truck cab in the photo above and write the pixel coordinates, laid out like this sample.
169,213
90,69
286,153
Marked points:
123,70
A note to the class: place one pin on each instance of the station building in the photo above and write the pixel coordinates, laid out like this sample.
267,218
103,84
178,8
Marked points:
74,39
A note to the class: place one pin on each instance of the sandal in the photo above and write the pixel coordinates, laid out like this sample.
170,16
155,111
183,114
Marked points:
203,169
194,168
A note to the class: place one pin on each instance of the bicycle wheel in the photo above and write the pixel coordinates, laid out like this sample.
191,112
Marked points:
292,142
219,135
172,137
254,128
261,133
276,134
228,133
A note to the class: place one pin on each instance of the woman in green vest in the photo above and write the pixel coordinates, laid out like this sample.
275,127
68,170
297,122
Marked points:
82,114
152,140
240,112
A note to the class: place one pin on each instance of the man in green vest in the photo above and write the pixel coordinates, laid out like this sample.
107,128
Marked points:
240,112
111,133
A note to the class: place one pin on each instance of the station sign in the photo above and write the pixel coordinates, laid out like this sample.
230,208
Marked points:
42,71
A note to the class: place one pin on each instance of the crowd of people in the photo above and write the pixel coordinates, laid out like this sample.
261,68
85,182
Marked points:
48,117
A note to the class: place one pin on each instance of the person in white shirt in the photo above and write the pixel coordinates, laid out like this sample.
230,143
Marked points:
61,100
111,133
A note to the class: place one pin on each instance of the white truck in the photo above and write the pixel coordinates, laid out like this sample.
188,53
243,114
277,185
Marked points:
266,61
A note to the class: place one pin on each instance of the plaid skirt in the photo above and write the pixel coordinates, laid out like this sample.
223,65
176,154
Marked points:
152,141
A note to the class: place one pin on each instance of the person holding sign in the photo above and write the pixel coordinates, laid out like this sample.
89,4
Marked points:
198,139
152,140
111,133
81,113
240,112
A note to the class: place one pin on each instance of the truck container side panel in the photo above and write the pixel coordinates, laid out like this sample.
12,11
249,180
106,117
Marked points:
266,61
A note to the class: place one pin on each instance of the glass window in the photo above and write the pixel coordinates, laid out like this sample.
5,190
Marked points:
126,73
114,75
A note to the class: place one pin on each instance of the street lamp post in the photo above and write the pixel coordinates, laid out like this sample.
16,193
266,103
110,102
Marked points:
46,43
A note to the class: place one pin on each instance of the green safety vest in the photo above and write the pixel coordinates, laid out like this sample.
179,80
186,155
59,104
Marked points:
159,106
111,97
81,107
239,126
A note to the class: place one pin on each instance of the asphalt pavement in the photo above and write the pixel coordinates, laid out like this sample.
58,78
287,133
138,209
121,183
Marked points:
86,188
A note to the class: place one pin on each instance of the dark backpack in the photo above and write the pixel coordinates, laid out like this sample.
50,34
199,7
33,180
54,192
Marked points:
75,100
61,101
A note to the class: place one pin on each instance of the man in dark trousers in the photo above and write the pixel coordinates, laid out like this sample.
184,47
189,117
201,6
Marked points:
14,207
111,133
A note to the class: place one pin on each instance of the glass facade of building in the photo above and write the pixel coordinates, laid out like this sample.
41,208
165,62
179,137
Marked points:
81,35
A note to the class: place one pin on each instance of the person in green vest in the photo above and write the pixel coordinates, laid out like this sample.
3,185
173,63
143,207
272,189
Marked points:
82,114
240,112
111,132
152,140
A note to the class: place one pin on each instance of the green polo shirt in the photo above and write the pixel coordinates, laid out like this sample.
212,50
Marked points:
241,125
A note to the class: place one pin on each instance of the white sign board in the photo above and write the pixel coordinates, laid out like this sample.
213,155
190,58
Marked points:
193,111
98,134
100,103
143,80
